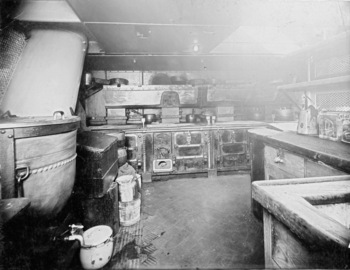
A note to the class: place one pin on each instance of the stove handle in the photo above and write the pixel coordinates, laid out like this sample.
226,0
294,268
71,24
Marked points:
139,163
174,161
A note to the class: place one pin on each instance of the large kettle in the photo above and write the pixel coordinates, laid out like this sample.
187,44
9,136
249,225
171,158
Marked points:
307,124
96,245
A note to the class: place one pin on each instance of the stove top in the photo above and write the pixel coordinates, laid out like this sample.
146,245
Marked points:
172,125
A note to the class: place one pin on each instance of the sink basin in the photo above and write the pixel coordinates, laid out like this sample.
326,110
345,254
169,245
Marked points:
316,209
336,208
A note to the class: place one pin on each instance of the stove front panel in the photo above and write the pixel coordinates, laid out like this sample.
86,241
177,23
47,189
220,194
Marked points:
232,149
190,150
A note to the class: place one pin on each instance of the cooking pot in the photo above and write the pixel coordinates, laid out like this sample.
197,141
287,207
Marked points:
178,80
96,246
160,79
149,118
195,82
284,114
256,113
258,116
118,81
192,118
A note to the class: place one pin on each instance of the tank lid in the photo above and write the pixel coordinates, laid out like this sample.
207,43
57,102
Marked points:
17,122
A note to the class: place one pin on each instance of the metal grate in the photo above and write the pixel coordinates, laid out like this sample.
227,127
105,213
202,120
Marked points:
12,44
334,66
334,101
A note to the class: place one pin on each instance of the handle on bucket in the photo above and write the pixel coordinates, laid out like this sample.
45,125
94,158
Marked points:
58,115
22,173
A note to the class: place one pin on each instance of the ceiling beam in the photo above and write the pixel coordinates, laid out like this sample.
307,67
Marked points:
46,11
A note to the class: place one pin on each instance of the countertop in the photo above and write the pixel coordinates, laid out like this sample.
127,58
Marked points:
284,126
292,201
334,154
188,126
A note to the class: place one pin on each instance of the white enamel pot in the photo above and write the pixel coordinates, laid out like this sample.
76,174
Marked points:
97,248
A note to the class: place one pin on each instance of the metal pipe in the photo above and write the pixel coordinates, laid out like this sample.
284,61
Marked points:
75,237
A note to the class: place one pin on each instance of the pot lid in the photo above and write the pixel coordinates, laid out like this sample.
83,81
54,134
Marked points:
97,235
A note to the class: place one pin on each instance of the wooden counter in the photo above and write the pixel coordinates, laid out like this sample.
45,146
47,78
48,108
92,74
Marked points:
334,154
306,221
306,215
189,126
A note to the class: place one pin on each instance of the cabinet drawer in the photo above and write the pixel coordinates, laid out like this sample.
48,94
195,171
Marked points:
281,164
313,169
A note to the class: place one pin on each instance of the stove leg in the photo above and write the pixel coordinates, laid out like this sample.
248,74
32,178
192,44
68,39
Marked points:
212,173
146,177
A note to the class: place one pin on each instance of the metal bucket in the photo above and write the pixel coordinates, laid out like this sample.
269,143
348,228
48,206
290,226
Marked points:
129,212
97,249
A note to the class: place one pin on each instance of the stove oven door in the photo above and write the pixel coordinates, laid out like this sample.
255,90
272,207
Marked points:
190,151
232,150
163,156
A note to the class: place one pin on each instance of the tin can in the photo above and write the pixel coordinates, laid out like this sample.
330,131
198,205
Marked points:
88,78
333,125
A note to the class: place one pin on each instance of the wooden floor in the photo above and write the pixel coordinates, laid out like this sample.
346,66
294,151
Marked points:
187,223
193,223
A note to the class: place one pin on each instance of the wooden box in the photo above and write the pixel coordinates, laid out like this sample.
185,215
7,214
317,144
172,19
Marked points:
97,163
100,211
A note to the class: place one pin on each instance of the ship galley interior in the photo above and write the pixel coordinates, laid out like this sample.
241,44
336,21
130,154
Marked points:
174,134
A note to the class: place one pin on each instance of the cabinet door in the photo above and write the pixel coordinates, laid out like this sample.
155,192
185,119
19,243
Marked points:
162,145
163,155
233,136
281,164
313,169
233,154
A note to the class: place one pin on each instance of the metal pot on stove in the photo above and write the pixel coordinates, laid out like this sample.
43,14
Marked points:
193,118
284,114
149,118
256,113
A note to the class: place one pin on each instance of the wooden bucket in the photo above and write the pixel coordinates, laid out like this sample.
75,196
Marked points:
39,157
100,211
129,212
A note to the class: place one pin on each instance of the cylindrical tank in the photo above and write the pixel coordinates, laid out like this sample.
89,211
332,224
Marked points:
48,74
38,157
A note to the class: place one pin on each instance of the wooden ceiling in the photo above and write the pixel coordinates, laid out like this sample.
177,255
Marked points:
159,33
157,26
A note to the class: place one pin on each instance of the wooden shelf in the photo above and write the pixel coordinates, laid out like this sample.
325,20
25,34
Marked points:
314,84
